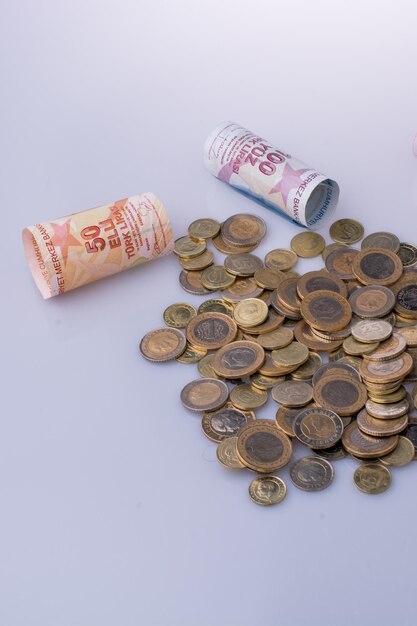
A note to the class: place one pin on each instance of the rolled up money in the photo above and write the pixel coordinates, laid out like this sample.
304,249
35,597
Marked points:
80,248
277,180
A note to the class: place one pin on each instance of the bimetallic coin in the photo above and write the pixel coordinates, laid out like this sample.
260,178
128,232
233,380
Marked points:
318,428
216,277
285,419
365,446
304,335
308,244
280,259
340,393
370,331
287,295
271,323
293,355
204,228
388,241
226,248
270,368
216,306
376,266
211,330
406,304
238,359
336,367
267,490
265,382
410,335
162,344
403,454
278,338
346,231
372,301
225,422
262,447
408,254
268,278
199,262
386,371
243,229
389,349
326,310
250,312
411,434
191,354
292,393
331,247
242,264
204,394
372,478
339,262
311,473
242,289
247,397
387,411
227,453
380,427
308,369
315,281
187,248
191,282
178,315
205,367
412,374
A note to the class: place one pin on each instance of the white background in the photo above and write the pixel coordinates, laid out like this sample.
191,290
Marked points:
113,509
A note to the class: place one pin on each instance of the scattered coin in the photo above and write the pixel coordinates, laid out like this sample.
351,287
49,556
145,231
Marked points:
408,254
318,428
243,264
308,369
216,306
238,359
406,304
294,354
311,473
326,310
354,347
265,382
304,335
187,248
280,259
216,277
204,228
162,344
365,446
389,349
331,247
204,394
308,244
386,371
403,454
250,312
346,231
243,230
339,262
315,281
370,331
272,322
384,240
205,366
372,301
372,478
248,397
262,447
332,368
227,453
340,393
278,338
191,354
226,248
334,453
191,282
199,262
267,490
377,266
211,330
410,335
178,315
268,278
387,411
285,418
225,422
380,427
292,393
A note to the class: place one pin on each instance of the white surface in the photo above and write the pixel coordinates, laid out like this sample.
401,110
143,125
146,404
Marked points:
113,509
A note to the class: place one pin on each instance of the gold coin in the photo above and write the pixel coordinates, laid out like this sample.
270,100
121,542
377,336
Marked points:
191,282
227,453
211,330
187,248
403,322
225,422
358,348
216,306
243,264
204,228
267,490
387,411
262,447
304,334
365,446
191,355
384,240
243,229
250,312
292,393
308,244
314,281
162,344
226,248
293,355
270,368
411,377
372,478
378,427
278,338
283,310
280,259
410,335
331,247
372,301
178,315
215,277
272,322
291,274
389,349
205,367
334,335
339,262
199,262
204,394
346,231
377,266
309,368
403,454
340,393
238,359
247,397
386,371
242,289
285,418
326,310
265,382
370,331
268,278
287,294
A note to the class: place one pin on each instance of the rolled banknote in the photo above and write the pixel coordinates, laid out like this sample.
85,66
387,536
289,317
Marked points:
276,179
82,247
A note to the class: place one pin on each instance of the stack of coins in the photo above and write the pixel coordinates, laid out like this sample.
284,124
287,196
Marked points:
335,348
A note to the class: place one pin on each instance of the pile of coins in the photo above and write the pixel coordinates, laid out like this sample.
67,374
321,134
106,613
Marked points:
334,348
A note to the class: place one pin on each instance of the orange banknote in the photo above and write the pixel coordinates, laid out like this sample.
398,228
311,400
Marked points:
77,249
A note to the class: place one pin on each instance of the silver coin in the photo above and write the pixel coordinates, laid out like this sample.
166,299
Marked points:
311,473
